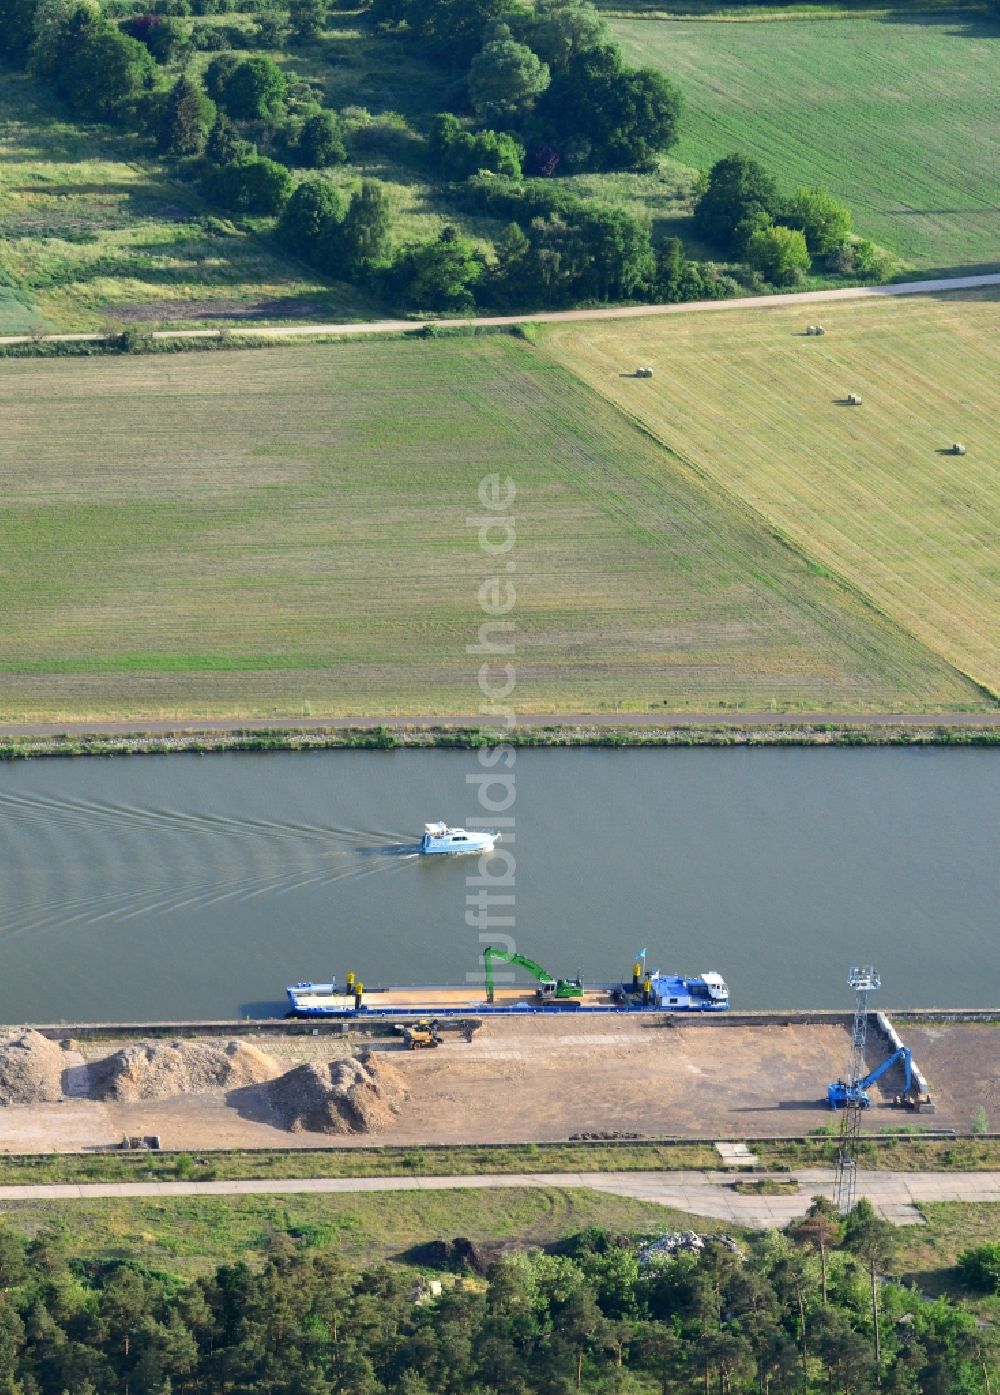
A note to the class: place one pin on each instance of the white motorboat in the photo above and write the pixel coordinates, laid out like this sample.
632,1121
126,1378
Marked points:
439,838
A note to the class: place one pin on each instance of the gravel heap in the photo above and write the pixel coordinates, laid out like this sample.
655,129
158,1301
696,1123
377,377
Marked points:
157,1070
362,1094
31,1068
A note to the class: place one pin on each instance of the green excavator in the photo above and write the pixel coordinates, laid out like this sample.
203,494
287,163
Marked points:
549,990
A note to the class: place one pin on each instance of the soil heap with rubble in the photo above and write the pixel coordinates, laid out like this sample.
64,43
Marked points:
31,1068
159,1070
362,1094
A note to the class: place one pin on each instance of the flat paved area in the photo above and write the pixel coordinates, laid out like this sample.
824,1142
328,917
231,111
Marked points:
612,312
711,1194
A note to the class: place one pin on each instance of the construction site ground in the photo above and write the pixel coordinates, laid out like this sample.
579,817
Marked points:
547,1079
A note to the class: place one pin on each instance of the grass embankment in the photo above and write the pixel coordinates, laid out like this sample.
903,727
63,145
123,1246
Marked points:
190,1235
404,737
314,552
897,115
866,493
91,228
899,1153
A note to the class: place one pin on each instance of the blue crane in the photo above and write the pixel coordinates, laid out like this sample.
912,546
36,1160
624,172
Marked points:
842,1092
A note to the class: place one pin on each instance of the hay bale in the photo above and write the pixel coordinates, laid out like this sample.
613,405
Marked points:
362,1094
957,448
158,1070
853,399
818,329
31,1068
644,371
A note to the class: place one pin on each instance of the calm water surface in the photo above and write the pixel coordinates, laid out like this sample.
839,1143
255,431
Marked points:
186,886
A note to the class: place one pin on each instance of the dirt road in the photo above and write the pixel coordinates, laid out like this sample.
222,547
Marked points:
614,312
895,1194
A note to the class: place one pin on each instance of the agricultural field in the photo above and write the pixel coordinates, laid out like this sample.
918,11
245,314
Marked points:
899,118
91,230
867,493
280,531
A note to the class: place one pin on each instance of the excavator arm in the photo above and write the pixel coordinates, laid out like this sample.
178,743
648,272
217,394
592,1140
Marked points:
505,956
563,989
903,1054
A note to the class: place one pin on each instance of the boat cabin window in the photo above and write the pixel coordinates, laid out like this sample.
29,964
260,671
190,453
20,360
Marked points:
673,1000
461,838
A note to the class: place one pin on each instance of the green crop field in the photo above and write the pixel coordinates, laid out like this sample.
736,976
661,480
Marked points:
90,230
278,531
865,492
900,119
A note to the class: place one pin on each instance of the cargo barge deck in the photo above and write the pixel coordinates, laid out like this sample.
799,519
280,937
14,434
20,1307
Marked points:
658,993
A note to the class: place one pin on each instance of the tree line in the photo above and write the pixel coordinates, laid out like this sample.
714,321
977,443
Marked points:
539,92
794,1314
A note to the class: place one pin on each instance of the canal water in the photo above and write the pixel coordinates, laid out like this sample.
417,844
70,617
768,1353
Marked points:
198,886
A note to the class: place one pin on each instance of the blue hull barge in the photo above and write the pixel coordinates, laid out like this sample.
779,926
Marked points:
652,992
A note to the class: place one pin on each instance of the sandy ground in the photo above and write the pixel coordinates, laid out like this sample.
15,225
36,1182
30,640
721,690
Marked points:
546,1080
962,1063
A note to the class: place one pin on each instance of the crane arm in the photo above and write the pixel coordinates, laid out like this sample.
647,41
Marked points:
509,957
903,1054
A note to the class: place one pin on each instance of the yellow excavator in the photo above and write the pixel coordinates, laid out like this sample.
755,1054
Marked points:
421,1034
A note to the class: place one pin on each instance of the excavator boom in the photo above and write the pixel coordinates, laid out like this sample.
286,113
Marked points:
562,988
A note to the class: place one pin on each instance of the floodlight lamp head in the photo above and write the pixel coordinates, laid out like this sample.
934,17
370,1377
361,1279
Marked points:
864,978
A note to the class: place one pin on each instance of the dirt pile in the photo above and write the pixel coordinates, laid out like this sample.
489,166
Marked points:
157,1070
362,1094
31,1068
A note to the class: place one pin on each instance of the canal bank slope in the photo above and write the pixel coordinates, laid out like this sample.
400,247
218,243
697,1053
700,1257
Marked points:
608,729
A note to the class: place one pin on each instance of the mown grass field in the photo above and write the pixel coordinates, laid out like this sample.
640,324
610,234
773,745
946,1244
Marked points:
90,230
191,1235
280,531
865,492
899,118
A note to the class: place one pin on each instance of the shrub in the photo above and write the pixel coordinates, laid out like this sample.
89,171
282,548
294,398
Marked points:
218,73
253,185
980,1267
506,77
321,141
870,262
270,31
459,153
736,190
825,222
310,221
439,274
779,253
254,89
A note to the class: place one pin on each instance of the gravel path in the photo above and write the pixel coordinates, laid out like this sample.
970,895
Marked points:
894,1194
614,312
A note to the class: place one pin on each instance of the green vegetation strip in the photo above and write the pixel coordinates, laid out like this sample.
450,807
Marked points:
470,738
895,1153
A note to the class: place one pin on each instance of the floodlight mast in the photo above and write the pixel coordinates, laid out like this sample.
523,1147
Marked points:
864,979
